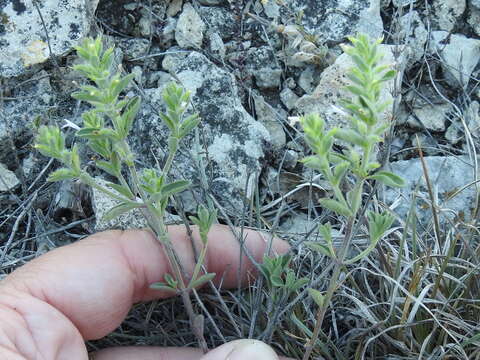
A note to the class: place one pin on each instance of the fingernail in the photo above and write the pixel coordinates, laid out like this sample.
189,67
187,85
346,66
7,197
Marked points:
252,350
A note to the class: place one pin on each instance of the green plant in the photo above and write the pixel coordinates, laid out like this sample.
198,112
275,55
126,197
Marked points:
351,167
105,131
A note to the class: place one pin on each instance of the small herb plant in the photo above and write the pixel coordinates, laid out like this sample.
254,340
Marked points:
354,165
105,131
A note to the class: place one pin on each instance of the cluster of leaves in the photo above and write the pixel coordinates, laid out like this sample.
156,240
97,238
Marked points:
105,129
348,170
281,279
356,161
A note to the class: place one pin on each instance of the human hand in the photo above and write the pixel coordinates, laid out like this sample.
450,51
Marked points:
83,291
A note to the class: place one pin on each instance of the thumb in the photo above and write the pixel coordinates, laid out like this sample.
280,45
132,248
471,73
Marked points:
242,350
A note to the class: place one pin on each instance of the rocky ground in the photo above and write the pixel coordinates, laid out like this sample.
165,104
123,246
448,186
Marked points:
252,68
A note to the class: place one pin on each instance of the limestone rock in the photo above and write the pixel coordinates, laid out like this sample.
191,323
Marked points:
459,54
190,28
447,175
261,63
232,141
8,180
22,36
447,13
335,19
414,35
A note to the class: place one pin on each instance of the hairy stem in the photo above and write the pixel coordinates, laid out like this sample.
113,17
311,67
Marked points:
332,286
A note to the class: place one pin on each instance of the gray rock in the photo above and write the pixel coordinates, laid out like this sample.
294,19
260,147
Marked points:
22,36
459,54
168,32
401,3
8,180
414,34
133,48
431,117
289,98
211,2
174,7
473,20
335,19
219,20
173,57
309,78
272,9
446,13
325,100
190,28
216,45
261,63
447,175
32,99
271,118
475,4
233,140
290,159
454,133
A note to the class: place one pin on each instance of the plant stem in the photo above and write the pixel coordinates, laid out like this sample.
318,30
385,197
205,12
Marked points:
156,223
332,286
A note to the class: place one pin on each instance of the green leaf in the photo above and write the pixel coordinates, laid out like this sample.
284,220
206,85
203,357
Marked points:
107,167
188,125
118,85
336,206
316,162
351,136
320,248
175,187
168,121
102,147
362,254
388,178
130,112
163,287
119,210
170,280
317,296
50,142
339,172
389,75
354,197
125,191
299,283
378,224
62,174
201,280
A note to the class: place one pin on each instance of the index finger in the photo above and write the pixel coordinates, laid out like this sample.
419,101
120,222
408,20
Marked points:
95,281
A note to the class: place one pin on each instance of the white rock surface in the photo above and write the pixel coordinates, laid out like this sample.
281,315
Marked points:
8,180
190,28
447,175
414,34
23,42
460,55
446,13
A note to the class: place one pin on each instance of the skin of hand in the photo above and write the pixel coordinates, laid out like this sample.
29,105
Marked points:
83,291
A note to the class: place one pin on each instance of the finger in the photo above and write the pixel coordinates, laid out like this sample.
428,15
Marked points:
242,350
235,350
147,353
94,282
